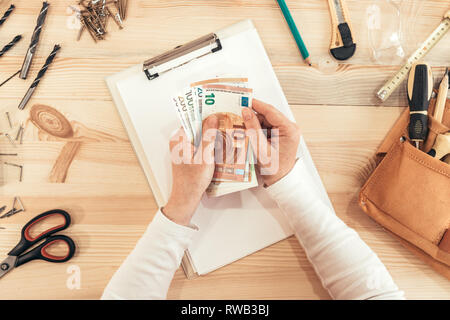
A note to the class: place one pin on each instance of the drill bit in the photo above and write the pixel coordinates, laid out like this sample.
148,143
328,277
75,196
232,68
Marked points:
10,45
34,41
7,13
41,73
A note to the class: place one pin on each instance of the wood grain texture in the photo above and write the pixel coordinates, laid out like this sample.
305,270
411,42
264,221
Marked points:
105,189
62,164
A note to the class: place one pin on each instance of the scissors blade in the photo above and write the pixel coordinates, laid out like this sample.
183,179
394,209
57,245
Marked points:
7,265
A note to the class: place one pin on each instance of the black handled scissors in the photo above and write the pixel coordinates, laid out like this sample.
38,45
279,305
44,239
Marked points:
17,256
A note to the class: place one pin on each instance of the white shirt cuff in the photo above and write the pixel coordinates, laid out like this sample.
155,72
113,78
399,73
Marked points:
163,224
288,182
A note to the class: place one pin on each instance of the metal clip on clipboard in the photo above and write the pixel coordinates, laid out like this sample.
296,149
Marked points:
201,47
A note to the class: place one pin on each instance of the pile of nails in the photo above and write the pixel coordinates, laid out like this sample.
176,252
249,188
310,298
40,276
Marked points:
95,14
14,210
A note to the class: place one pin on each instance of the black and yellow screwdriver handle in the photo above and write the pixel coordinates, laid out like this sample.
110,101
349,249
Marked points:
420,88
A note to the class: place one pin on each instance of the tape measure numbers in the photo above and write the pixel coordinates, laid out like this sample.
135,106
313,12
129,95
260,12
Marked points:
427,45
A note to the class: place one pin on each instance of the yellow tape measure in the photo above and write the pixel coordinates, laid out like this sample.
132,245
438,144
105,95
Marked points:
428,44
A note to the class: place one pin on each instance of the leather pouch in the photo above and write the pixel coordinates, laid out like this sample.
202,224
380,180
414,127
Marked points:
409,192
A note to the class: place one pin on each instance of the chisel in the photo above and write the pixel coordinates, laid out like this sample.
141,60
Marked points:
420,88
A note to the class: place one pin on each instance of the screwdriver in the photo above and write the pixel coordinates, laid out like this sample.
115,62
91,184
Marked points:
420,88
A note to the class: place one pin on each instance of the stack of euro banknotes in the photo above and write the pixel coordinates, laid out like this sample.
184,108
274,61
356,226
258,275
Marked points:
224,97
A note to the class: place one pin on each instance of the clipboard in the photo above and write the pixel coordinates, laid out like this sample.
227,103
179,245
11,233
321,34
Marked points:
235,225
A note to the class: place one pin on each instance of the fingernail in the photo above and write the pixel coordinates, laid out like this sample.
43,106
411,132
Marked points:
247,114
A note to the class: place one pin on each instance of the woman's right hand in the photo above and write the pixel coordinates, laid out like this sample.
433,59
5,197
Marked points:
277,152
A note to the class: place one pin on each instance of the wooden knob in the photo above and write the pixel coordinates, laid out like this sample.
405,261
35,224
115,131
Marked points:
447,159
442,145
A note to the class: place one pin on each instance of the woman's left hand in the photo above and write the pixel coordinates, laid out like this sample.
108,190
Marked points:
191,172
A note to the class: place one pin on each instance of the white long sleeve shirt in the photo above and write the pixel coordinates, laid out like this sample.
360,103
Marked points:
347,267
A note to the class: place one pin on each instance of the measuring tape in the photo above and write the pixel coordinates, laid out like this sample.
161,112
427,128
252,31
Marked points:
428,44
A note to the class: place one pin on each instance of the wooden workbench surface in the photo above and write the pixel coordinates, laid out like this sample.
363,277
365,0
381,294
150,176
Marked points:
106,191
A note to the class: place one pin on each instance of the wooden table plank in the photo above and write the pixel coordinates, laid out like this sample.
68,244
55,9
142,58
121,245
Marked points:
345,84
280,271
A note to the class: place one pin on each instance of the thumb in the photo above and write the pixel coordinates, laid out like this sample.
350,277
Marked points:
209,133
258,139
